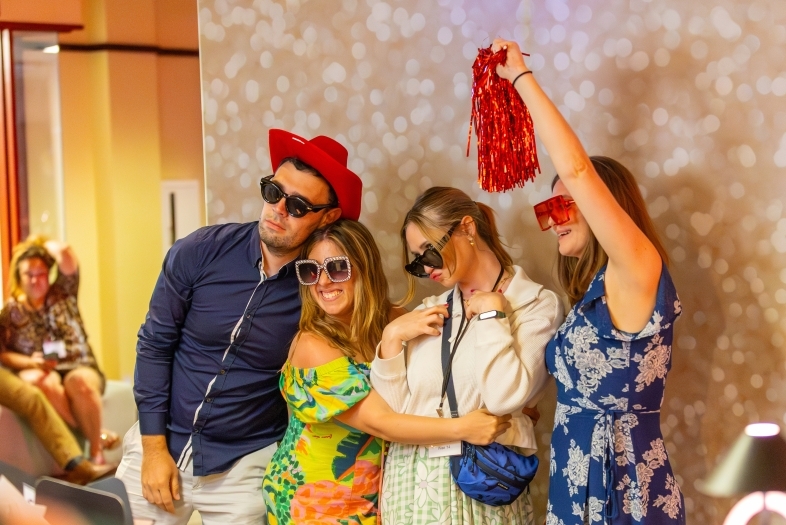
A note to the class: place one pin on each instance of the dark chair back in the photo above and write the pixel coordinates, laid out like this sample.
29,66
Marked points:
69,504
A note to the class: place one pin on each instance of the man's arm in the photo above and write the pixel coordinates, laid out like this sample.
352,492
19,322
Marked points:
158,339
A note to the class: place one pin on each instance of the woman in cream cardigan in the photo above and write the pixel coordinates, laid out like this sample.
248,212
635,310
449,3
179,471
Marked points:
499,364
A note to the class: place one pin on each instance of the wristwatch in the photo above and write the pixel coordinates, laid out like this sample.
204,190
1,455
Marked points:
492,314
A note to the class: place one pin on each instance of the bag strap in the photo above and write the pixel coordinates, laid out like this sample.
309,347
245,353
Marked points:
447,353
452,404
447,357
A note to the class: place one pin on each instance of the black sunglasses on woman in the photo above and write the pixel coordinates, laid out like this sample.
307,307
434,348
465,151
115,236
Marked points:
430,257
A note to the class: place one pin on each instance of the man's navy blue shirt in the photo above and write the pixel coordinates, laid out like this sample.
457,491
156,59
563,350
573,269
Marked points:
212,347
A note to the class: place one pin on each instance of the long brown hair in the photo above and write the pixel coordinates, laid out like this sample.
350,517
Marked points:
440,208
371,306
30,248
576,274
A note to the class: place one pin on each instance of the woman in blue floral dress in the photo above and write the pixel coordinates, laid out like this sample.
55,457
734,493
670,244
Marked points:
610,358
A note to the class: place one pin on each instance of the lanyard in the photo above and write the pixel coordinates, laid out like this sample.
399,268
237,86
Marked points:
447,367
447,354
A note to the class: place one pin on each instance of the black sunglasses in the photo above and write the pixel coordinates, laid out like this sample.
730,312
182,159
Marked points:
295,206
430,257
337,269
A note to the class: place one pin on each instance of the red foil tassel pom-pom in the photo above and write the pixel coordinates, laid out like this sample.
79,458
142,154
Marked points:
507,155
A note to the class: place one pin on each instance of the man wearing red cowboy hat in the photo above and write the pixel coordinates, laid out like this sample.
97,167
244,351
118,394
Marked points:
222,315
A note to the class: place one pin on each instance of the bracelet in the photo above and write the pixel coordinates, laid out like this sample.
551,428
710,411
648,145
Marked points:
492,314
528,72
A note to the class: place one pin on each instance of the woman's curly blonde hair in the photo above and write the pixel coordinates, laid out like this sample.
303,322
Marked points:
31,248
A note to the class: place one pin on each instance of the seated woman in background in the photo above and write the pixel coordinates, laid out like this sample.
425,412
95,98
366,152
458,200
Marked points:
327,466
29,403
498,362
43,340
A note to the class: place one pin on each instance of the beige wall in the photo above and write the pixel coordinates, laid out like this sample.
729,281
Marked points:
130,120
689,95
180,125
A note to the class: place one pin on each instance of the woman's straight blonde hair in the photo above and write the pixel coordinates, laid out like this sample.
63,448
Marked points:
576,274
370,305
31,248
436,211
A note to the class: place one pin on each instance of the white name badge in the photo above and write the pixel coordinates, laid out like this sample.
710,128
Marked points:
445,449
57,348
28,493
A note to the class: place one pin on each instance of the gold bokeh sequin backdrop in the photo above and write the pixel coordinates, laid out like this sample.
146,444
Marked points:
689,95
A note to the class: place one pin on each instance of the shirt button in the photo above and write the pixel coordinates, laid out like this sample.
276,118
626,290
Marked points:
248,316
196,431
209,400
222,372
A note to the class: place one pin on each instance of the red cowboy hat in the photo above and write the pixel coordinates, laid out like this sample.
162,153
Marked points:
326,156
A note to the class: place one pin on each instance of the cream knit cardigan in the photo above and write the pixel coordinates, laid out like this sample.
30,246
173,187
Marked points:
499,365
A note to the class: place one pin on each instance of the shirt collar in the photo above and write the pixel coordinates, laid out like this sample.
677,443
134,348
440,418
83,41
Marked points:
596,290
521,290
254,248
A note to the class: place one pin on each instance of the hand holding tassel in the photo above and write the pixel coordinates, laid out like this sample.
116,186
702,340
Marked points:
507,155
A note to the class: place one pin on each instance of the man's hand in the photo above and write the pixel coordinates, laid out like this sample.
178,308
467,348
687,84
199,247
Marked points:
160,477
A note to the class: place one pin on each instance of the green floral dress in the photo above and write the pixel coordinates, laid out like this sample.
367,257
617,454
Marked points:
324,471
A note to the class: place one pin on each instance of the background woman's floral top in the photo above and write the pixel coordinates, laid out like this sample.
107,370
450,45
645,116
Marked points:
23,330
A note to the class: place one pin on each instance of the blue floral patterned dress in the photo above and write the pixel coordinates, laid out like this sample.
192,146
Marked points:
608,461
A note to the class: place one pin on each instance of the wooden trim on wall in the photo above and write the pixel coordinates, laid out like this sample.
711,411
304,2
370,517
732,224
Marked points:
130,48
52,28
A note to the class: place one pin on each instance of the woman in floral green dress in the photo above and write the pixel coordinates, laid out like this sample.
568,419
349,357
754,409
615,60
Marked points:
327,468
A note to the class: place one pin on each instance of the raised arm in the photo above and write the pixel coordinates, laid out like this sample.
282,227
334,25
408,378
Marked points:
64,256
634,263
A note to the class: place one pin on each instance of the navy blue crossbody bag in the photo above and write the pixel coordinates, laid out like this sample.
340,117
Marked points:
493,474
